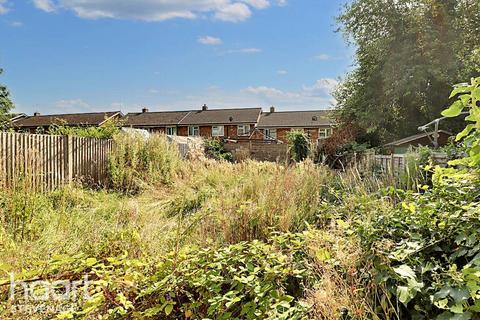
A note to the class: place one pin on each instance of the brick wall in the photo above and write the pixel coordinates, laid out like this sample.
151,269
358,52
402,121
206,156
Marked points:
260,151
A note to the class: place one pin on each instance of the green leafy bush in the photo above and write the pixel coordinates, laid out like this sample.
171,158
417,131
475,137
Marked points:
248,280
299,145
469,100
215,150
106,131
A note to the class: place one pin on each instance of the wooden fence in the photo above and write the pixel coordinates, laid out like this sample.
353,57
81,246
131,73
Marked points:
394,163
45,162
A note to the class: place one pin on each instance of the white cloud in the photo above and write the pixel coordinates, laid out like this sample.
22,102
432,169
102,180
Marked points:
157,10
323,57
316,96
234,12
73,105
3,7
258,4
325,85
243,51
45,5
208,40
282,72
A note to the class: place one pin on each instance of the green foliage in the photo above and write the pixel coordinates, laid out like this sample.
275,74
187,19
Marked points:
106,131
137,161
425,251
468,101
215,150
5,103
408,53
248,280
299,145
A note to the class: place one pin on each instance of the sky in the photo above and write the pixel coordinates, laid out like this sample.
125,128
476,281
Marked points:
62,56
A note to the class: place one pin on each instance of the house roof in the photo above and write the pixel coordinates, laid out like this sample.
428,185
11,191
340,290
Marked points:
222,116
415,137
71,119
292,119
165,118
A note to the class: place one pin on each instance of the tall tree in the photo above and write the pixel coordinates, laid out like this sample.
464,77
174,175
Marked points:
409,54
5,103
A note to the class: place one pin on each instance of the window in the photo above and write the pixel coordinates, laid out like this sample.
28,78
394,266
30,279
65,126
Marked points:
218,131
193,131
324,133
271,133
171,131
243,130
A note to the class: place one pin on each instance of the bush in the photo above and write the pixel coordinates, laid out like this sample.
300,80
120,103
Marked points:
106,131
299,145
136,161
215,150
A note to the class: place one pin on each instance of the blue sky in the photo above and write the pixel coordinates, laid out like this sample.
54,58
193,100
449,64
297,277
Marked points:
98,55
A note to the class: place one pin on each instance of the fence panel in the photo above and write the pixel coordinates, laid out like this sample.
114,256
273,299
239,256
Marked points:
45,162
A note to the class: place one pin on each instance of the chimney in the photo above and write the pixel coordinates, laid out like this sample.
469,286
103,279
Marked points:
145,110
204,107
36,114
272,109
314,118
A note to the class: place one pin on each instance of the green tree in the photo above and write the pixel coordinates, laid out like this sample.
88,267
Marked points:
409,54
5,103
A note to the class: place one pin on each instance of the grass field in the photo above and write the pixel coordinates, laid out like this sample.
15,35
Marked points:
205,239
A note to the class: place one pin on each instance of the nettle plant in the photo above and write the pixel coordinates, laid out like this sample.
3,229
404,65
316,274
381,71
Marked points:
468,101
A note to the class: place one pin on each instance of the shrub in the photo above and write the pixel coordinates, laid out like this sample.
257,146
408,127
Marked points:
299,145
137,161
215,150
106,131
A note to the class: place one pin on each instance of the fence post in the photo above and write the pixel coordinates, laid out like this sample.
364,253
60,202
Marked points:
69,159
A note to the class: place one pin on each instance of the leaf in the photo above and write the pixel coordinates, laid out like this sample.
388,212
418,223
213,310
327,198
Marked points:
168,309
404,295
461,89
465,132
455,109
90,262
405,272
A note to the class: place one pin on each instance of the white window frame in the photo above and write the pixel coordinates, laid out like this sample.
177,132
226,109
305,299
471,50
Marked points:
271,133
324,133
193,131
243,130
218,131
174,131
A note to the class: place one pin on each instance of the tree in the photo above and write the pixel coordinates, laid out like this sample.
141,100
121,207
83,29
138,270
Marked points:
409,54
5,103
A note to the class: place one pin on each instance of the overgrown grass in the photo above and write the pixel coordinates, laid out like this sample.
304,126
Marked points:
208,239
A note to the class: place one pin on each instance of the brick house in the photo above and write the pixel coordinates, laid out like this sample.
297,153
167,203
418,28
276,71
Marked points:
38,122
274,125
166,122
222,123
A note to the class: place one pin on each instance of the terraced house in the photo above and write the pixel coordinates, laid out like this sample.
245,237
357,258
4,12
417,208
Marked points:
239,123
229,124
40,123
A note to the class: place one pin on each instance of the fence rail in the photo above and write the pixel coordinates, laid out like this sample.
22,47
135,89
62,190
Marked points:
394,163
46,162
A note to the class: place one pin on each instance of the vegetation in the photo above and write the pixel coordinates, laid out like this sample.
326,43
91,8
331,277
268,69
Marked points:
5,103
106,131
299,145
209,239
214,149
137,161
408,54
